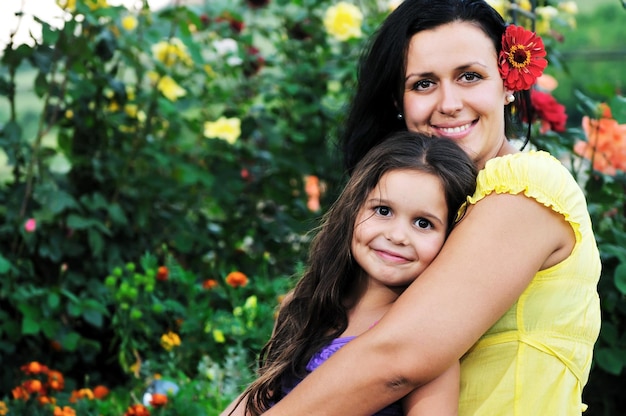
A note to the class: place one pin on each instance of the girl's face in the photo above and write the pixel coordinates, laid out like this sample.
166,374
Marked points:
400,228
453,89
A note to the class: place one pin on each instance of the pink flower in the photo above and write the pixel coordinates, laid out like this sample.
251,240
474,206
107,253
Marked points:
30,225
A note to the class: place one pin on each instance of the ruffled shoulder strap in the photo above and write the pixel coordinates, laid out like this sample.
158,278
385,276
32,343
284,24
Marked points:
538,175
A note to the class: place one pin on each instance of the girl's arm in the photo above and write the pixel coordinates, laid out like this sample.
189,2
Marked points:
487,262
439,397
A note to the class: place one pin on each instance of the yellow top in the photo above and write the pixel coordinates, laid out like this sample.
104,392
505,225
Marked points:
536,359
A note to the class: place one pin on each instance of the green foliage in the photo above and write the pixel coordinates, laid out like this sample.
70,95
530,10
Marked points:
122,212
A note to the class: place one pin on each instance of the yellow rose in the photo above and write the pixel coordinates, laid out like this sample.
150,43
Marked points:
96,4
525,5
228,129
501,6
69,5
218,336
569,7
343,21
170,52
167,86
129,23
170,340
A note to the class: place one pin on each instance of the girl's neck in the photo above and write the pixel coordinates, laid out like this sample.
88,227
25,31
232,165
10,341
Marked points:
367,309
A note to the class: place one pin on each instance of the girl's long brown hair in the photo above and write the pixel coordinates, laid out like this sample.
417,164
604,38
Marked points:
315,311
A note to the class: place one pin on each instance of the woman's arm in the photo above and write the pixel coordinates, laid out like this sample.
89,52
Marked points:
439,397
486,263
237,407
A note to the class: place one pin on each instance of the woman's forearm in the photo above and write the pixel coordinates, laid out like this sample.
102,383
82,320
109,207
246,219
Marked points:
337,386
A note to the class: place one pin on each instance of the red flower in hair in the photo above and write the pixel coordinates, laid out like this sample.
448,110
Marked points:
521,58
549,111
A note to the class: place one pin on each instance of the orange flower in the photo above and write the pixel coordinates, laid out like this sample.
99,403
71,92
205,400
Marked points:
162,274
137,410
209,284
521,58
312,189
606,143
81,394
237,279
46,400
56,380
158,400
3,408
170,340
33,386
34,368
65,411
20,393
100,392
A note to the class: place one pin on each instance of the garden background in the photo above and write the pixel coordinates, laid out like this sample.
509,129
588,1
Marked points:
161,169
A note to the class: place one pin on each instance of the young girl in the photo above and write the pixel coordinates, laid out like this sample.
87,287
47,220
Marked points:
387,225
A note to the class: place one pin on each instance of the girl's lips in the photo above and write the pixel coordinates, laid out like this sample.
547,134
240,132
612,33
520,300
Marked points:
455,132
389,256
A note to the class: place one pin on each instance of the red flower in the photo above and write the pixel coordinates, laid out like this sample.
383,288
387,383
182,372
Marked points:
209,284
162,274
236,279
100,392
33,386
34,368
254,61
521,58
549,111
158,400
137,410
55,380
235,24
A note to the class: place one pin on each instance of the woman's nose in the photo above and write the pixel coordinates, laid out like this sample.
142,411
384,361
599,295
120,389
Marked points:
450,99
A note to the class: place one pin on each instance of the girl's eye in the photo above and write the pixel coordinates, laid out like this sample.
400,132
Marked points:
423,223
382,210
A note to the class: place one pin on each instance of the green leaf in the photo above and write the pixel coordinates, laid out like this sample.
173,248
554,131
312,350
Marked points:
54,300
610,360
30,326
620,278
70,341
96,242
41,84
95,318
618,108
5,265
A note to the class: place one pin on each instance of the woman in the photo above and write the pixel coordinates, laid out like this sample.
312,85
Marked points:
513,293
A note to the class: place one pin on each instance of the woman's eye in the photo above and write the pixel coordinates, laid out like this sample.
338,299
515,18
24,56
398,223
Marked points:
471,76
423,223
384,211
422,85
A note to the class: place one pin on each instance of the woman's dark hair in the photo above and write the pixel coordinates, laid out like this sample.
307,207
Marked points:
315,312
379,92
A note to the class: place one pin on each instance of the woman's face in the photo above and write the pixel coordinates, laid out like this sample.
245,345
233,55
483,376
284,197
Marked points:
453,89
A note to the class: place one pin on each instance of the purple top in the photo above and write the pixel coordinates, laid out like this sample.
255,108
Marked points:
324,354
